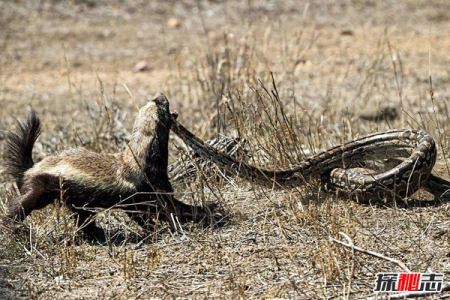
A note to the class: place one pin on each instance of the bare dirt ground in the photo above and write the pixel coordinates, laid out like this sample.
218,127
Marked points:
73,62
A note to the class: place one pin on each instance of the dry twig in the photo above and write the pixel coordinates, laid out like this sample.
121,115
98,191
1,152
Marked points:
369,252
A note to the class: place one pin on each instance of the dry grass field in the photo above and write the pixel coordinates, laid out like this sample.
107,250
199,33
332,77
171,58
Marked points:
80,65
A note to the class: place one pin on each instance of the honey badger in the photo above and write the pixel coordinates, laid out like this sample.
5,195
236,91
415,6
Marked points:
135,178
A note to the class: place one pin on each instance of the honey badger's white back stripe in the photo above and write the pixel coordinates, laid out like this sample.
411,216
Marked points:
69,171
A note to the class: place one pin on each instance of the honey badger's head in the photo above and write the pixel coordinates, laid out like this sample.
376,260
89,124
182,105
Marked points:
155,112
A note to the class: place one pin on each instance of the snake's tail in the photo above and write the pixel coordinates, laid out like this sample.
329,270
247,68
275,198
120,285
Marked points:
439,187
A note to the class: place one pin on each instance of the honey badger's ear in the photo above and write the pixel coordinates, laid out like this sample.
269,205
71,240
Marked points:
174,115
161,100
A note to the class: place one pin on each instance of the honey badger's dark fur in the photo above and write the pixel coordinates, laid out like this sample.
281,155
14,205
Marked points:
136,177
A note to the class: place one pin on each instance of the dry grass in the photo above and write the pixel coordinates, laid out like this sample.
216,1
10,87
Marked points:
291,79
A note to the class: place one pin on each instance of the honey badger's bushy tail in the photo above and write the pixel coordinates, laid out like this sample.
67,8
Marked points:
19,146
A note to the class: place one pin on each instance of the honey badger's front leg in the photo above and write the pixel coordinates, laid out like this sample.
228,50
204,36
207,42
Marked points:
165,207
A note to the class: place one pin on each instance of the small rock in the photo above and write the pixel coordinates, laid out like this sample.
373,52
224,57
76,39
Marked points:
299,61
347,32
142,66
388,113
172,50
173,23
104,34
